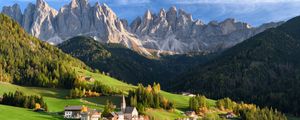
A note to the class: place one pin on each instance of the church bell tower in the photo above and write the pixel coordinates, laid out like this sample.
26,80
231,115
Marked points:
123,104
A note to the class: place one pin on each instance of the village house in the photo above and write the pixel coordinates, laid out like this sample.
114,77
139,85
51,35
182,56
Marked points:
87,78
120,115
81,112
188,94
72,112
192,115
228,115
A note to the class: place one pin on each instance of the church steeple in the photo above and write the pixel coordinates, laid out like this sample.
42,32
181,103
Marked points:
123,104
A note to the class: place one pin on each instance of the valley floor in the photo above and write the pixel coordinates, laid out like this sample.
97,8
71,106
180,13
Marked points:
55,98
16,113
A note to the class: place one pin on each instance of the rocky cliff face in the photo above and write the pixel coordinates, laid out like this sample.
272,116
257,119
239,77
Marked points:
176,31
169,31
36,20
76,18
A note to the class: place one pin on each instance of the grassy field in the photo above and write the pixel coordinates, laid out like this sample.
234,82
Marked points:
181,102
55,98
106,80
160,114
16,113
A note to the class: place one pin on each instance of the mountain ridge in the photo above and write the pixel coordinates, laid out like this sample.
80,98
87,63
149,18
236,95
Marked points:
76,18
175,30
156,34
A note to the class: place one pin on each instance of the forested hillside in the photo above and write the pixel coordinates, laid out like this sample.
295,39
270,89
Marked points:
25,60
264,69
127,65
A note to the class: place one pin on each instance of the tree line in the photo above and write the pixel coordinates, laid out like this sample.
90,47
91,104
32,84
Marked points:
19,99
79,93
252,112
199,104
149,97
96,86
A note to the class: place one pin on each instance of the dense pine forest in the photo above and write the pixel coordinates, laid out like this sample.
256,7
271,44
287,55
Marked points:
128,65
25,60
19,99
264,70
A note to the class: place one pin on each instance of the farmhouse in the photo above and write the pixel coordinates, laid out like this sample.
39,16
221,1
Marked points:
87,78
72,112
190,114
120,115
188,94
81,112
228,115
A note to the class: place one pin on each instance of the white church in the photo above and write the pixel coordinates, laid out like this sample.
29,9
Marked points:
127,113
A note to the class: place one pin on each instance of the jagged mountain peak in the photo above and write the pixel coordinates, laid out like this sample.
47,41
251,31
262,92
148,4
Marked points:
231,20
106,6
97,4
173,9
41,3
162,13
213,22
16,6
173,30
148,15
108,11
179,33
79,3
14,12
172,12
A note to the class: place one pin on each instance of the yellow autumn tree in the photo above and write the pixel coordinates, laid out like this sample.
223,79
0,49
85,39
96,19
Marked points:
37,106
165,102
84,109
156,88
149,89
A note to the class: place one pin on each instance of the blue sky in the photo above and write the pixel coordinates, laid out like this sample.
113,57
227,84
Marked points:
254,12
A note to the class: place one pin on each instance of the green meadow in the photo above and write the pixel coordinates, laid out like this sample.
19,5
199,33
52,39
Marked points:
56,98
16,113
